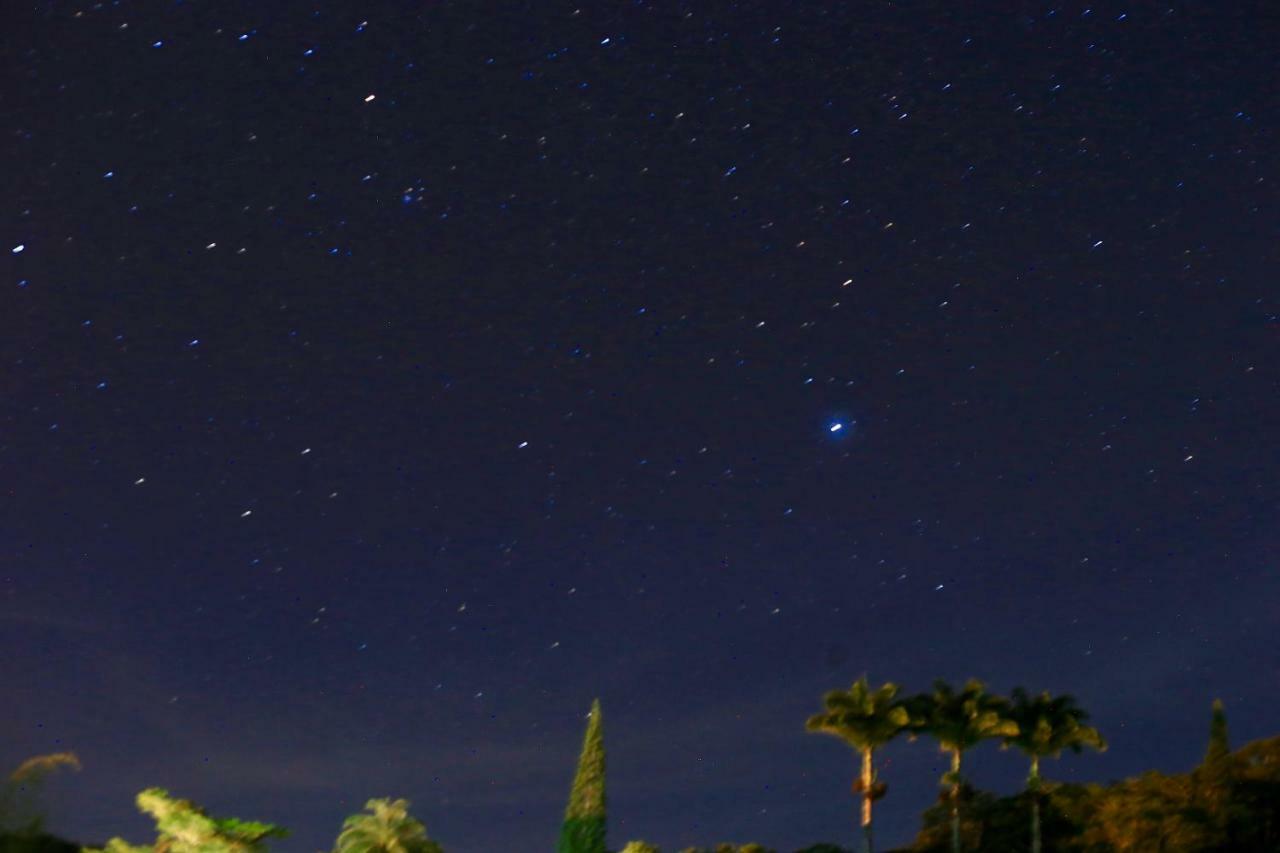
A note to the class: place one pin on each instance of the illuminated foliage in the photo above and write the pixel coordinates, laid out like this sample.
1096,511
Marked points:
1155,812
387,828
640,847
184,827
584,827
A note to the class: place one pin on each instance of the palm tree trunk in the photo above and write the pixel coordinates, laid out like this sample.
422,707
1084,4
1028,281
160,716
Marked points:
1033,785
866,801
955,801
1035,822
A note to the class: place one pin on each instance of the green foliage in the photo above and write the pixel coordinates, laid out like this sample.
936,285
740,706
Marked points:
582,835
1252,809
587,797
1047,725
119,845
991,824
584,829
1233,807
1230,805
185,828
862,717
20,811
640,847
1154,811
387,828
960,719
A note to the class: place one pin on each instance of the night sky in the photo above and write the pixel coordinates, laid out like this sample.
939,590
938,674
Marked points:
383,381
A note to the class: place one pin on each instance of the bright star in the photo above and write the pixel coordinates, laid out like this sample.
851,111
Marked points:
836,427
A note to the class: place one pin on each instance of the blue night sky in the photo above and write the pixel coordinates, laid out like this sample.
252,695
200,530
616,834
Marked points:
382,382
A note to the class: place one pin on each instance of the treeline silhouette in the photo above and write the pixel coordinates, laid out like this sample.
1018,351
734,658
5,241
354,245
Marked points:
1229,803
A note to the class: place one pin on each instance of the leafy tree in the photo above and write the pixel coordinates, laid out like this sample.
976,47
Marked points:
388,828
959,720
981,810
1046,726
1254,819
866,720
1229,804
584,828
20,792
824,848
185,828
990,824
1154,812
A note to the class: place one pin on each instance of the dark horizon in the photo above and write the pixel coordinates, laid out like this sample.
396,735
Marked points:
381,388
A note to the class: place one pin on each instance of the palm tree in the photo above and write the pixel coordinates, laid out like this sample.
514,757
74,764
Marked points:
389,829
865,719
959,720
1046,726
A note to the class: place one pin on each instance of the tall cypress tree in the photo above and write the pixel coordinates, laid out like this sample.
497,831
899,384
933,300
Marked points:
583,830
1219,744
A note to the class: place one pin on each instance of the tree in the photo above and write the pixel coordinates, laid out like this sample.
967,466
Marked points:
584,829
20,793
1219,743
1255,783
1154,812
866,720
387,829
185,828
959,721
1046,726
991,824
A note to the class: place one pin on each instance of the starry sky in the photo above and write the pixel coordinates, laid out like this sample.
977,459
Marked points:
381,382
